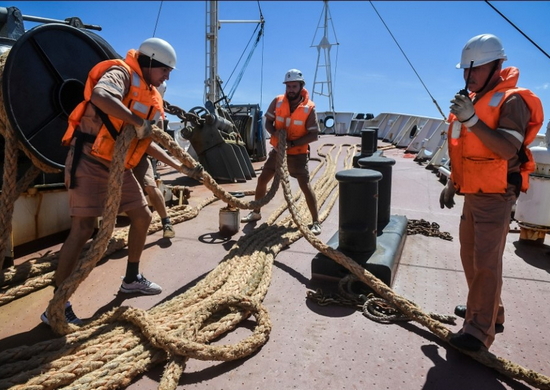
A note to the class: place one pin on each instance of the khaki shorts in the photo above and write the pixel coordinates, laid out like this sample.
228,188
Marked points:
297,164
144,173
88,197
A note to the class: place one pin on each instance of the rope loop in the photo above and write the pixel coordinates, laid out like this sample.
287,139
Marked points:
184,326
175,344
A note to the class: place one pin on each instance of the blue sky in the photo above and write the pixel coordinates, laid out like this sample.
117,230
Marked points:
370,72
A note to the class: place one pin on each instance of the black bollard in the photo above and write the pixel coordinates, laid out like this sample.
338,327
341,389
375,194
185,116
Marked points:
358,237
358,204
384,166
369,140
369,144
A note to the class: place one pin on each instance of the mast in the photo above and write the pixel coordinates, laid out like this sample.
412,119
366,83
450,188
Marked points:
323,87
211,91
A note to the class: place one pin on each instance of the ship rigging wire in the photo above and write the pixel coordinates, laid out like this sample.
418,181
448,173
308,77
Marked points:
158,17
407,58
125,342
262,73
240,75
517,28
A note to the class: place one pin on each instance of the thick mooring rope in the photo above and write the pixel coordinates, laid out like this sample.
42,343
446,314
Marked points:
37,273
85,265
410,309
113,349
228,278
10,188
225,270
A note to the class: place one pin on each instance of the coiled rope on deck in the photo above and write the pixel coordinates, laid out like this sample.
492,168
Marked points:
37,273
410,309
11,188
83,268
119,345
255,265
177,363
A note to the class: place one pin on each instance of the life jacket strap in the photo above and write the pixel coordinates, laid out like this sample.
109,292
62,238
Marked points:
80,139
107,122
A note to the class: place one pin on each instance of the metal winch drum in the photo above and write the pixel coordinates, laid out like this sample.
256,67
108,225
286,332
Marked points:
43,81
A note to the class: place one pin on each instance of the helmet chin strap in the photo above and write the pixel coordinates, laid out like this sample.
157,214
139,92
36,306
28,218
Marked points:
490,76
148,78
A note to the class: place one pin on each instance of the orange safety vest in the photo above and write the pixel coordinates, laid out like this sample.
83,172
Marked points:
474,167
142,100
294,123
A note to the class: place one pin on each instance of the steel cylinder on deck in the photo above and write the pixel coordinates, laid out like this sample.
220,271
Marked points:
229,221
358,203
384,166
533,207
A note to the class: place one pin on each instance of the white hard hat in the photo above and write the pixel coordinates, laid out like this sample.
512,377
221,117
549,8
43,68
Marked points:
481,49
294,75
159,50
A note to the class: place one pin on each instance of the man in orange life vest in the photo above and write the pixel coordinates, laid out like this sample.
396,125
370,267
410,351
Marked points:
295,112
488,135
117,92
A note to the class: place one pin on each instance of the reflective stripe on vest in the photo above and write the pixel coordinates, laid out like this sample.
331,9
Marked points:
294,122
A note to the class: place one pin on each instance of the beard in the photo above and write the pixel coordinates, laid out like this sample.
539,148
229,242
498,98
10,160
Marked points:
291,96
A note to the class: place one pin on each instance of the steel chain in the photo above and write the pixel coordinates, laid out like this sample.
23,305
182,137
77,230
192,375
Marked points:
322,299
372,307
380,310
430,229
182,114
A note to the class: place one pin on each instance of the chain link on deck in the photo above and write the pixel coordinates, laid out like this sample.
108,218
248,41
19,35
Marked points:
373,307
376,308
430,229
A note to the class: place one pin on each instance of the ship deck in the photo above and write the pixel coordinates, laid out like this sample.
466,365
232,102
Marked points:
312,346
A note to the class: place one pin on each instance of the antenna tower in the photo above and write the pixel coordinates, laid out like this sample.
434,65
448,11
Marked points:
324,87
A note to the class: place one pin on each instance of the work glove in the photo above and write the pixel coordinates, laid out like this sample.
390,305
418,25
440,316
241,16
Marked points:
145,130
463,108
289,144
196,172
446,199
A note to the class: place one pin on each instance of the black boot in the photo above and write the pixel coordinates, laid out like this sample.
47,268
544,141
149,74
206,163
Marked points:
460,311
466,341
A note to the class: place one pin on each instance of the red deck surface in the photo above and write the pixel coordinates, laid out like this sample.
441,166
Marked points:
329,347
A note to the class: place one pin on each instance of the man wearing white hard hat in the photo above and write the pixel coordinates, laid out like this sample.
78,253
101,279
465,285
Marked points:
117,93
295,113
490,129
